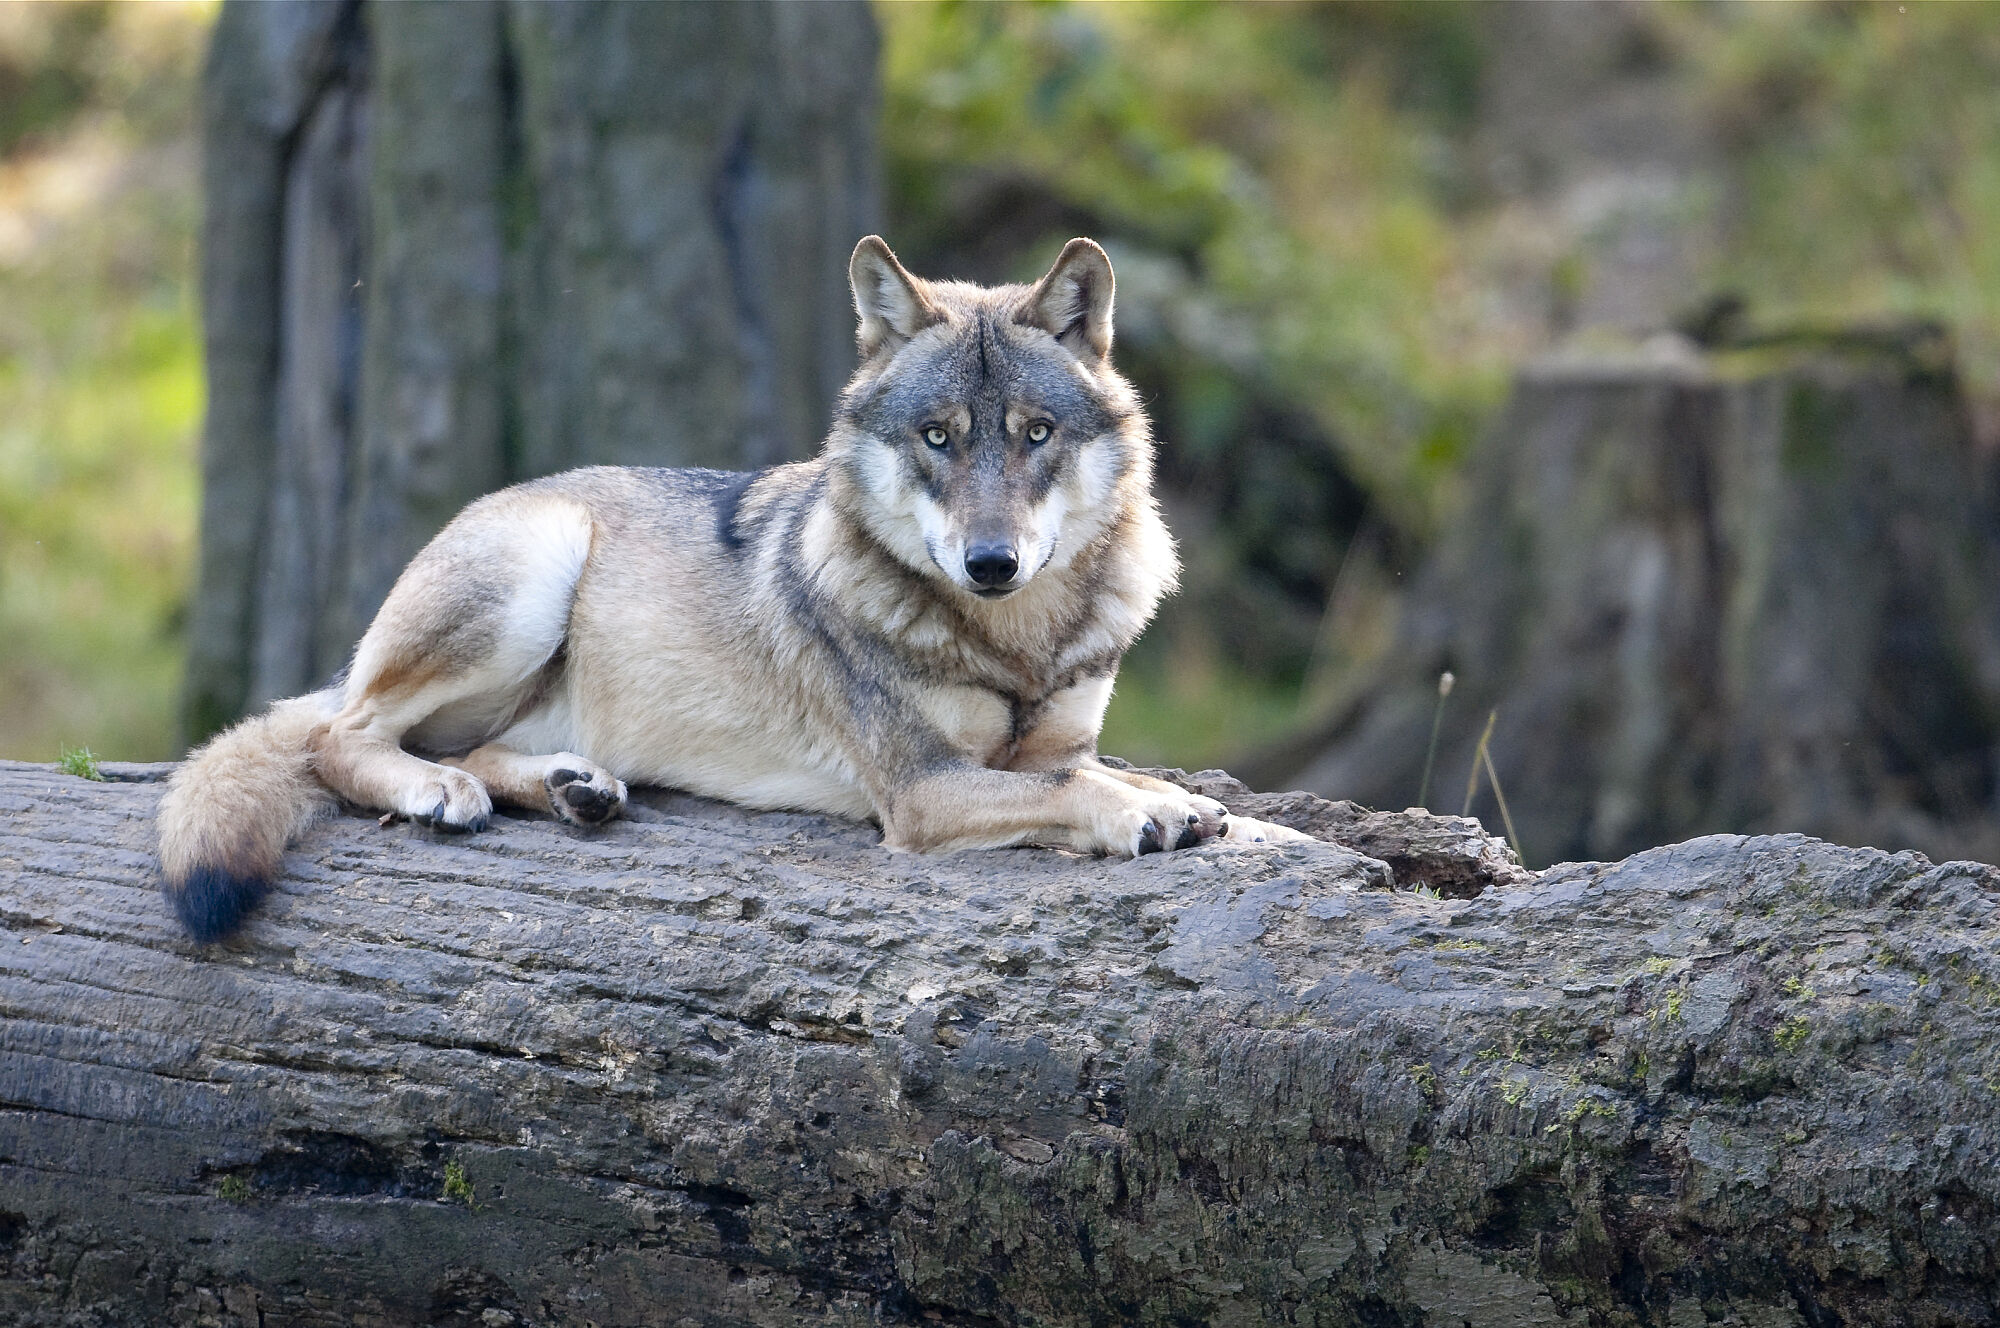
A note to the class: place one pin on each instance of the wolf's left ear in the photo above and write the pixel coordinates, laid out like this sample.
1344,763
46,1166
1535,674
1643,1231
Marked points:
891,302
1073,302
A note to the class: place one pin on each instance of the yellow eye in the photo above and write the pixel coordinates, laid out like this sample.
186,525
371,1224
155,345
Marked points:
935,435
1038,433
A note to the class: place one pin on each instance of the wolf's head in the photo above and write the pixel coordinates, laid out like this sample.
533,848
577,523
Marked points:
986,434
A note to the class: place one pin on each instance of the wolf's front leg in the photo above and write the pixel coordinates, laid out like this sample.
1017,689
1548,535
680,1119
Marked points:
568,786
962,805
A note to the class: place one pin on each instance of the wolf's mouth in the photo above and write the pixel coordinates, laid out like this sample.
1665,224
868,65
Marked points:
996,592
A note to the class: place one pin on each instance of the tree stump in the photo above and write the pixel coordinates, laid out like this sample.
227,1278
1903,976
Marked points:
713,1067
1749,592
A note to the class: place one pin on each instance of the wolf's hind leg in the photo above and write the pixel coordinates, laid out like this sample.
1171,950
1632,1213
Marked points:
568,786
455,649
359,756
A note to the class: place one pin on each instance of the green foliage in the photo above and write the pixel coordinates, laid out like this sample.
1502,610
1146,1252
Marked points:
79,761
1866,166
457,1189
1792,1034
233,1188
100,380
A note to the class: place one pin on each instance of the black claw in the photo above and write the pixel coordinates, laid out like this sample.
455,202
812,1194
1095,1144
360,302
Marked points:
1189,836
476,824
1149,838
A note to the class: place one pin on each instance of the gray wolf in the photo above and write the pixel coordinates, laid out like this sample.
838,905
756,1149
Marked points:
919,626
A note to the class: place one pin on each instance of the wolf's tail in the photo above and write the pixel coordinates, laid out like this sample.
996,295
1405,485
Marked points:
230,810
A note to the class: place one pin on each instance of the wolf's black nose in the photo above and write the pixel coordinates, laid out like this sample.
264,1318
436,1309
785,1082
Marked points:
991,564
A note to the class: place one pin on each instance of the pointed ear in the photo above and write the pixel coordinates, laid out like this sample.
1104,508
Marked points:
891,302
1073,302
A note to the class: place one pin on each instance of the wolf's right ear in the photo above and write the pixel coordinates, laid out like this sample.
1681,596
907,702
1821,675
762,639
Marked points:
891,302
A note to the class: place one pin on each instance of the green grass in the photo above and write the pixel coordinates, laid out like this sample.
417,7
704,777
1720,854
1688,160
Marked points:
81,762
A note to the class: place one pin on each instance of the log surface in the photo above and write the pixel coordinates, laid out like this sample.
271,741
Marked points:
710,1067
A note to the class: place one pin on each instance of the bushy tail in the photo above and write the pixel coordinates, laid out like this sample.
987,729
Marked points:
230,810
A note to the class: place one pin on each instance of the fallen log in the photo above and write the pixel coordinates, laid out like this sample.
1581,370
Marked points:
712,1067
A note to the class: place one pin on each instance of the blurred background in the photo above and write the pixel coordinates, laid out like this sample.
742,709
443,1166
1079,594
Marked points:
1638,364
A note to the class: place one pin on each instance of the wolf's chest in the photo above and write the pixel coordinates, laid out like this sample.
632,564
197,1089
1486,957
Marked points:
971,719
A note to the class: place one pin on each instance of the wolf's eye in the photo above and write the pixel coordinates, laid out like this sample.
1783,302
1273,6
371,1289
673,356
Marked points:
1038,432
935,435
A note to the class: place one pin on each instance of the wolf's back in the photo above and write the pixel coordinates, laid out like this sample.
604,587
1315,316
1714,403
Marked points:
230,810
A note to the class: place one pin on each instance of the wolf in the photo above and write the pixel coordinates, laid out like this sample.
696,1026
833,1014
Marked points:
919,626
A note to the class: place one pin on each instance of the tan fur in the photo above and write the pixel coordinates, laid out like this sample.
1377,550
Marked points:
807,639
238,800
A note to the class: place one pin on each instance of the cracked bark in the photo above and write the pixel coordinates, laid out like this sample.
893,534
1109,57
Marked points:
714,1067
450,246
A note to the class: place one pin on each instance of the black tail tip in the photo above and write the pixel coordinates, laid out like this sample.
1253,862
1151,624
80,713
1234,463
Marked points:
211,902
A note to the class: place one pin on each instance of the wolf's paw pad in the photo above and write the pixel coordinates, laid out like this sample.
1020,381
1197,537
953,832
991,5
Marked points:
584,797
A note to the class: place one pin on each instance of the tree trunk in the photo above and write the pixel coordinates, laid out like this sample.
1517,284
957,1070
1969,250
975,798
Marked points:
710,1067
453,245
1738,594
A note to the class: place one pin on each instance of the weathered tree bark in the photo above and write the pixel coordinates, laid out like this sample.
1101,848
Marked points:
1705,595
707,1067
453,245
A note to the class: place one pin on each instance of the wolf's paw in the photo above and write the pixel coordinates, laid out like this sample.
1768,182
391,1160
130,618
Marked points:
582,793
448,800
1246,830
1148,822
